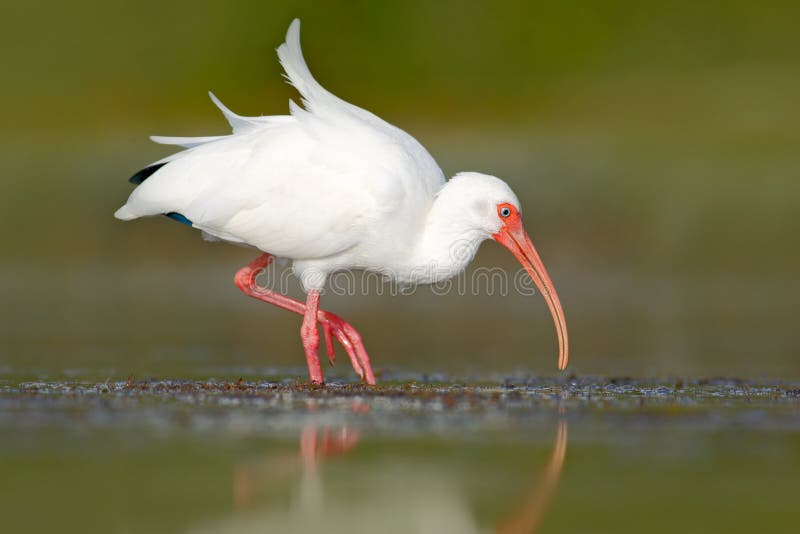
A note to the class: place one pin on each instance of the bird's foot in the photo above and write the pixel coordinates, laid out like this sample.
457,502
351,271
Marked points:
332,325
335,326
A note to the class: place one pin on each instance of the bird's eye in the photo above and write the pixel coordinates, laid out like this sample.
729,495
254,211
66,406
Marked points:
505,211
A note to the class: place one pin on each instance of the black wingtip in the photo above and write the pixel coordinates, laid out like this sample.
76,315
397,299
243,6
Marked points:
175,216
144,174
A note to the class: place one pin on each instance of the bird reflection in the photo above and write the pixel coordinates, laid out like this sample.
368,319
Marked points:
315,444
406,498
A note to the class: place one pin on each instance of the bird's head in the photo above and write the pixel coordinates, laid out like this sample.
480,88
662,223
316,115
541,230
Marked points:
488,206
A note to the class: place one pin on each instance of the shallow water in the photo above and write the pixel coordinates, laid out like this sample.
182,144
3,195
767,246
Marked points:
515,455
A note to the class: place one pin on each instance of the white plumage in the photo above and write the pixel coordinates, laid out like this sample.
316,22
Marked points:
331,186
313,184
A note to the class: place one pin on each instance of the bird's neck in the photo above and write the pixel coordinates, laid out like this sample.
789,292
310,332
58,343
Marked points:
447,243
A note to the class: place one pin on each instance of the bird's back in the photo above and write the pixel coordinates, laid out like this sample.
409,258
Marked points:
313,184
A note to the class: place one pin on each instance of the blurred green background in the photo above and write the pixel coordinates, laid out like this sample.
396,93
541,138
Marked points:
654,147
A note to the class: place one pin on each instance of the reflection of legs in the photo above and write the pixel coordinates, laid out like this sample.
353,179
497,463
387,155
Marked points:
332,325
313,449
332,443
242,488
308,448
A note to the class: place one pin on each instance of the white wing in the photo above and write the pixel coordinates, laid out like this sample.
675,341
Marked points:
308,185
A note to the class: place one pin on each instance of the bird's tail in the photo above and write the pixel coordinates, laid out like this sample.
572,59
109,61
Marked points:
125,214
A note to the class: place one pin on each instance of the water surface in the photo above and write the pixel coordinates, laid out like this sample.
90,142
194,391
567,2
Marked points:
413,455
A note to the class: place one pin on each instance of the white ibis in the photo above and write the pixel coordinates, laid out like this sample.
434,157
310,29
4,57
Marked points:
333,187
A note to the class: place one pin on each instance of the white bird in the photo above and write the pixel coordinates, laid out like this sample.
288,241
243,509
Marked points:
333,187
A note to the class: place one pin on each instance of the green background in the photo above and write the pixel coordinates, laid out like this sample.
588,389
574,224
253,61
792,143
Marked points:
654,147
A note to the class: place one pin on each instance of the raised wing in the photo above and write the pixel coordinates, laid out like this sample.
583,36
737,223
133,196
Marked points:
307,185
322,108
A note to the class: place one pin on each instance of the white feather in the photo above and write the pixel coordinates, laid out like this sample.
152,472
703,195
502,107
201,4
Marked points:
298,73
185,142
331,186
241,124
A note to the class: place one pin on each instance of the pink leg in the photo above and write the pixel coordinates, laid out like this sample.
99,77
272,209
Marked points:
332,325
310,337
